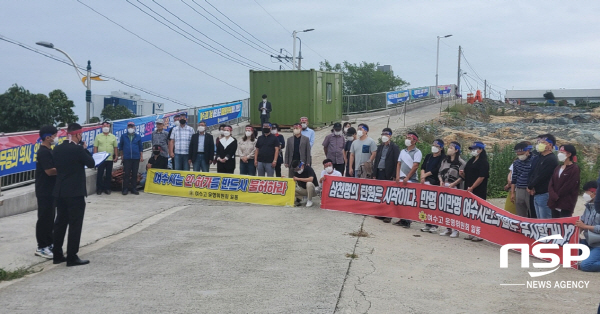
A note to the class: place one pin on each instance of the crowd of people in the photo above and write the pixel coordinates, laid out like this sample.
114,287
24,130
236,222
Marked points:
542,184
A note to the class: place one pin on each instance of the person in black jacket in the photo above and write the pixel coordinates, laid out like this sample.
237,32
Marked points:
384,166
430,169
264,107
202,155
45,179
275,129
70,191
226,149
540,174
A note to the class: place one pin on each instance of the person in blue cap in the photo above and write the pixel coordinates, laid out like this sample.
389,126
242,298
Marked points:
541,172
476,174
520,173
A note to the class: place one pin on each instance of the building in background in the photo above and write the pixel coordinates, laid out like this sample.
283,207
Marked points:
572,96
385,68
132,101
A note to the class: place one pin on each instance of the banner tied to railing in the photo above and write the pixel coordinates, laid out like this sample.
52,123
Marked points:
443,207
221,187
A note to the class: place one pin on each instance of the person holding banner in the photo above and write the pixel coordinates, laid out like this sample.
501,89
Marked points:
246,150
105,142
132,153
161,138
520,173
267,152
476,174
45,179
306,181
226,149
180,145
275,130
563,189
407,166
201,149
430,171
590,223
449,176
384,166
70,158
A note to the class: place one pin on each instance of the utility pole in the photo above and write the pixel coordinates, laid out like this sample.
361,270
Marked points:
484,88
88,92
458,76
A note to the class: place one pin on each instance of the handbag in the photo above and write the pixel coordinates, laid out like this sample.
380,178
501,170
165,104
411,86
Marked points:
592,239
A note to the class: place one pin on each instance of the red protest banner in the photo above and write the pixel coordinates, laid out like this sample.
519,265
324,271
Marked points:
444,207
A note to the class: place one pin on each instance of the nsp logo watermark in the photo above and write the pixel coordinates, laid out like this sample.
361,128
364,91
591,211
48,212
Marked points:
567,257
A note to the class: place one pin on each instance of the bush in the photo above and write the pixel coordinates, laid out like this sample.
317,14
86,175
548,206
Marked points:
589,172
500,159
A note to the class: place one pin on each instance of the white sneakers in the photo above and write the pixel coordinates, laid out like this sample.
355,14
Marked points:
433,229
426,229
44,252
454,234
446,232
309,203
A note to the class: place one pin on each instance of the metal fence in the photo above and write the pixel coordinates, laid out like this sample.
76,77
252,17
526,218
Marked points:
353,104
27,177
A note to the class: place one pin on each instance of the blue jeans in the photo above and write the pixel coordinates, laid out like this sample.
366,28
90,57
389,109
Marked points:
542,210
592,263
200,163
143,181
247,168
181,162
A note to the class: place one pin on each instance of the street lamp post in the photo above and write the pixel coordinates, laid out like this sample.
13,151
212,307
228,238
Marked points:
300,54
87,84
294,50
437,62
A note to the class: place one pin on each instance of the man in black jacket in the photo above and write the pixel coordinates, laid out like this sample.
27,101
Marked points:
384,166
202,149
70,191
265,110
540,174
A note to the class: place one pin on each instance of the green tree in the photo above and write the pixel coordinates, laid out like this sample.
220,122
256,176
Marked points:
364,78
116,113
94,120
23,111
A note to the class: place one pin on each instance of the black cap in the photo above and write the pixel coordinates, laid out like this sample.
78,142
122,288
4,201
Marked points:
337,126
351,131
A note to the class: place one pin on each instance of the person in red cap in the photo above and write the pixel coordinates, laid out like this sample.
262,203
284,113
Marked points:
132,153
563,189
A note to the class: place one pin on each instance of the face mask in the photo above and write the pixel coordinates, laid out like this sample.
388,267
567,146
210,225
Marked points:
522,157
296,131
562,157
248,133
177,123
275,132
338,133
226,133
540,147
385,139
329,169
407,142
451,151
201,129
435,150
349,138
587,198
130,131
360,133
300,171
156,152
346,130
304,125
474,153
221,132
265,100
55,141
182,122
266,130
105,129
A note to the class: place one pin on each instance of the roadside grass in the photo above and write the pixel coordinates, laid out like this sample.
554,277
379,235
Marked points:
15,274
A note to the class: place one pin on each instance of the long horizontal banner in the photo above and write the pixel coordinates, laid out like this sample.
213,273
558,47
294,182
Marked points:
444,89
144,126
397,97
216,115
417,93
18,153
221,186
444,207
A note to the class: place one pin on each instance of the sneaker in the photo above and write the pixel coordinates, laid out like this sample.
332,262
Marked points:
476,239
426,229
448,231
309,203
387,220
454,234
469,237
45,253
433,229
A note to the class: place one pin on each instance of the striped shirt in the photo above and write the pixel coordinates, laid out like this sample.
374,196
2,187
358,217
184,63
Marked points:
182,137
521,169
590,217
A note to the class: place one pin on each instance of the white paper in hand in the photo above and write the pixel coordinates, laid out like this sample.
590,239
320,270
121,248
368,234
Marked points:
100,157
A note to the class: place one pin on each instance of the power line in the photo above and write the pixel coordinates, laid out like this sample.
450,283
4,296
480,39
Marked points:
157,47
201,44
248,42
53,57
238,25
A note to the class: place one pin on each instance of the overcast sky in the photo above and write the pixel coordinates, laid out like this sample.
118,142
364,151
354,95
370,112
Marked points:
512,44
